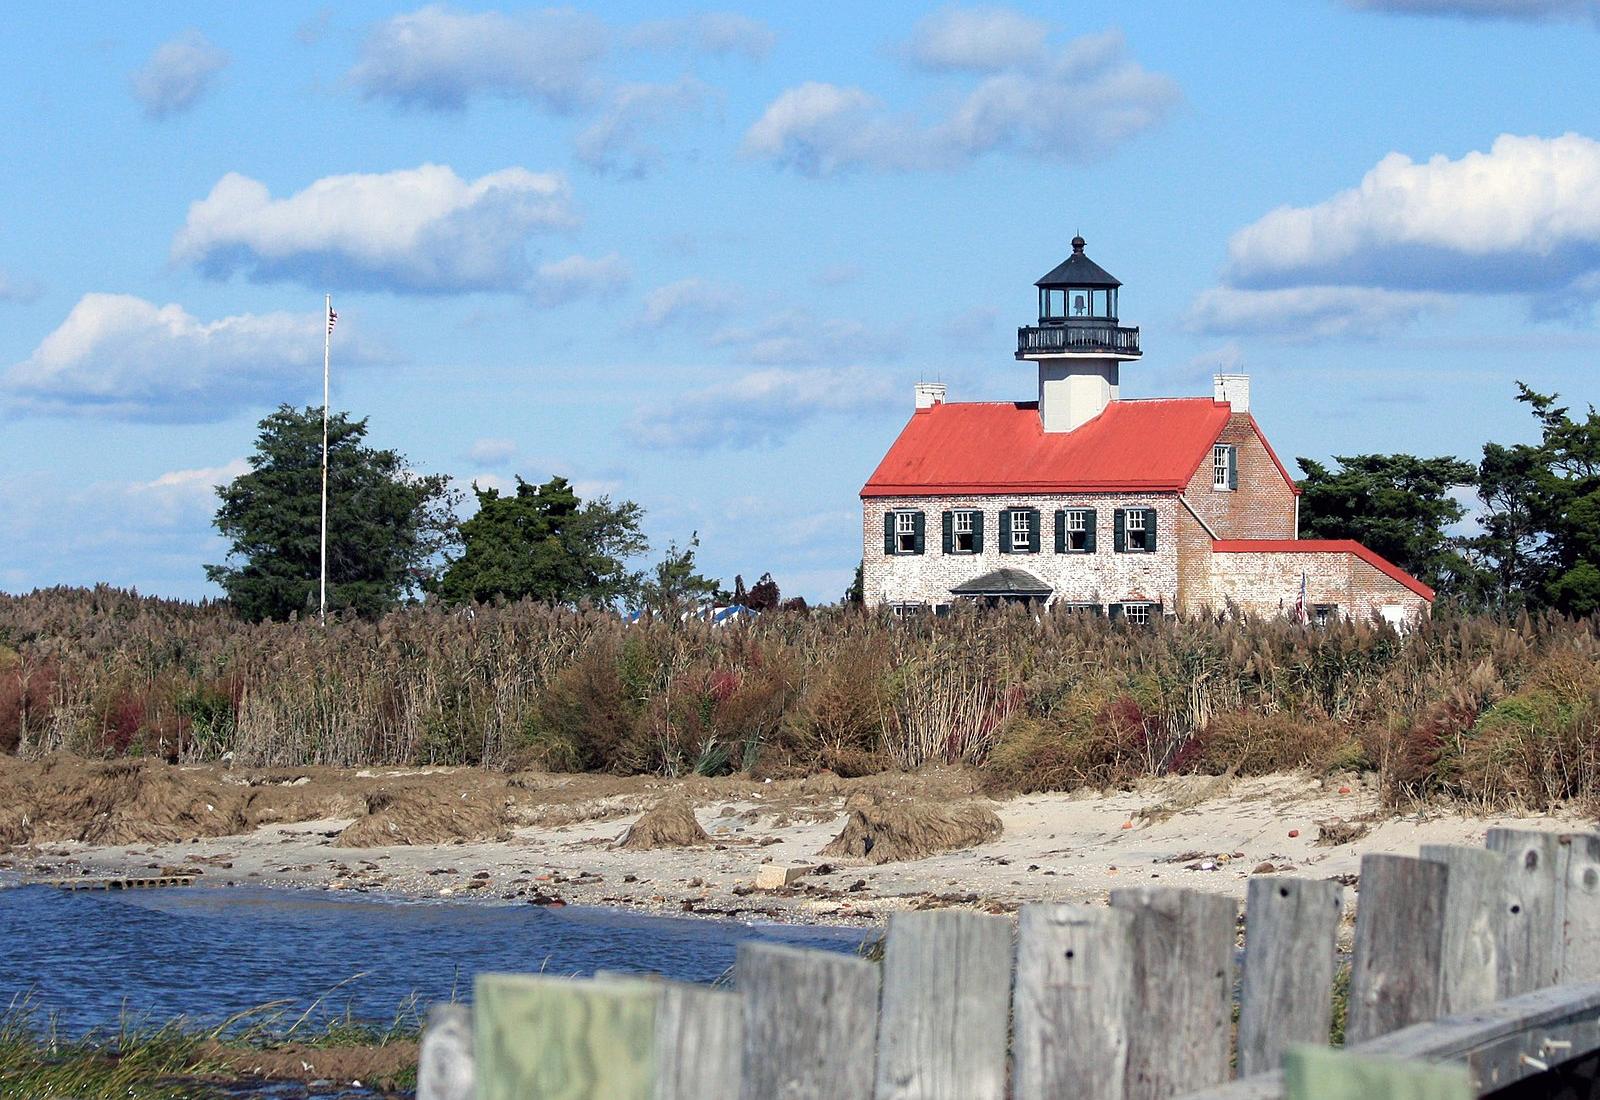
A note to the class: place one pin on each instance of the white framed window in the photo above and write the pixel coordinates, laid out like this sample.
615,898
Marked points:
1136,530
905,532
963,532
1137,614
1222,467
1021,532
1077,529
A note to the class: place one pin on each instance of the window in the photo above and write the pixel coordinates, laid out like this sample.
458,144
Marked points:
1021,532
1324,613
1137,614
1136,528
1082,608
1222,467
1077,530
902,532
964,533
905,532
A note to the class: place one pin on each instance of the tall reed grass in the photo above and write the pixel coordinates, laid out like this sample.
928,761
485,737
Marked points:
1498,711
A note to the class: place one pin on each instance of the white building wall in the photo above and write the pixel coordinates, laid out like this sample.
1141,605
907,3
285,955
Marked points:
1103,577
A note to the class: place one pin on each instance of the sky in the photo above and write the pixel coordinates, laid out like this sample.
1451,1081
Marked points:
698,257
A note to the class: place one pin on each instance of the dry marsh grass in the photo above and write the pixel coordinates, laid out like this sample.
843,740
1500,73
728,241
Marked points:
1498,712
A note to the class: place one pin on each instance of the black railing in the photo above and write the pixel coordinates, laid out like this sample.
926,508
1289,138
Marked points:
1065,339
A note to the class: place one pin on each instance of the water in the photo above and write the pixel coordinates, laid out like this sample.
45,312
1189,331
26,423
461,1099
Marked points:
209,952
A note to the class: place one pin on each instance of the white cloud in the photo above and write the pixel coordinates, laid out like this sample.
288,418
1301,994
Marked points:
624,139
758,408
493,452
576,276
799,337
1521,217
177,494
686,298
420,229
1311,311
120,356
439,59
820,129
177,75
712,33
1527,11
977,40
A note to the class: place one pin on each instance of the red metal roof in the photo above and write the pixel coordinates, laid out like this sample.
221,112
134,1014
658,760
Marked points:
1324,546
1000,447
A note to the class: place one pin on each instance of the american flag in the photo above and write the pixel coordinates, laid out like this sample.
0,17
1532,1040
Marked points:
332,317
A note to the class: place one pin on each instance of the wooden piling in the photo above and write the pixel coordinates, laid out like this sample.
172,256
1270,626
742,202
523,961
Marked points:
1475,898
1530,927
444,1057
1579,902
1181,1005
1073,995
561,1039
810,1023
946,990
1291,933
1395,974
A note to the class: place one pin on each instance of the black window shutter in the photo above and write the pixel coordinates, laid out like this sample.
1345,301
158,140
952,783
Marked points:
1005,530
977,532
1114,611
1088,531
1061,531
1150,530
1233,467
949,523
1033,530
916,532
888,532
1119,538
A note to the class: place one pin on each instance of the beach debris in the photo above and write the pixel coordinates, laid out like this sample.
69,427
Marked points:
775,876
419,815
1339,831
670,823
881,828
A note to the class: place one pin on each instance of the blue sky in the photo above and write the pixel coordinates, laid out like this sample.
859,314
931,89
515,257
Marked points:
698,257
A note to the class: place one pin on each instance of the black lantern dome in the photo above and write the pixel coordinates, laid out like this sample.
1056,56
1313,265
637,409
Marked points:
1078,313
1077,289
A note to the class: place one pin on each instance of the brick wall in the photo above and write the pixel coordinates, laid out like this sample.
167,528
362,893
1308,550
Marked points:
1194,565
1103,577
1262,507
1268,583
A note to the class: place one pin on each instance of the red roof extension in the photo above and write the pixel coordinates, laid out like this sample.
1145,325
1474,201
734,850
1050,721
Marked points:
1324,546
1000,447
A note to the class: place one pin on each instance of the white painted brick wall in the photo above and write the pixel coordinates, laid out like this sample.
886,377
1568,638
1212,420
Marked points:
1102,577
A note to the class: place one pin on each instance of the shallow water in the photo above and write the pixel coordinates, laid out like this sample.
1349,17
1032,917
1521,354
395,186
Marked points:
209,952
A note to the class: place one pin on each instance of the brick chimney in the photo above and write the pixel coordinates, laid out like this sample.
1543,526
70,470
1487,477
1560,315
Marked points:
1232,388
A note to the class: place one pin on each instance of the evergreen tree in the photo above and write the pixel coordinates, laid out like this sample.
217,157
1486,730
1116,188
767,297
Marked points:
674,586
1565,498
1399,506
386,525
544,543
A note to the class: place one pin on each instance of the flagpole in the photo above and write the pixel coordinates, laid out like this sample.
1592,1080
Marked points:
327,342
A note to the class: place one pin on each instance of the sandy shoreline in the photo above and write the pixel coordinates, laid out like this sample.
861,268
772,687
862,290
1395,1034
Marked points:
1206,833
